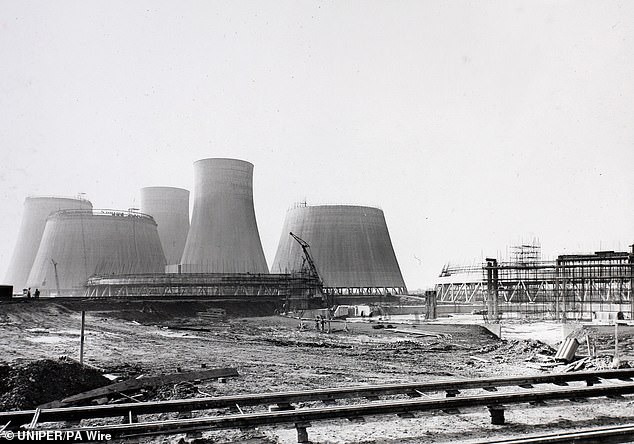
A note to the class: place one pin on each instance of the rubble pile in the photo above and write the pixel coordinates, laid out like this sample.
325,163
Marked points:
28,385
526,346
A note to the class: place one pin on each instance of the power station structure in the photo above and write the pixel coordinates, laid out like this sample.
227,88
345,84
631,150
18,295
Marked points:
37,209
78,244
333,250
573,286
223,256
350,246
170,209
223,236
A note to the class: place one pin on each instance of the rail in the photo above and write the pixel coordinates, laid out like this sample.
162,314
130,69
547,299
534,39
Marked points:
285,400
302,418
613,434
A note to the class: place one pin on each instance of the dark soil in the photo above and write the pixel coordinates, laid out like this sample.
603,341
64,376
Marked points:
28,385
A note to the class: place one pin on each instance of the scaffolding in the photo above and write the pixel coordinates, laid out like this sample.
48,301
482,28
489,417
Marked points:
292,288
580,287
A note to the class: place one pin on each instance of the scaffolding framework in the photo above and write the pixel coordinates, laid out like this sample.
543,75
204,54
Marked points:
297,286
578,287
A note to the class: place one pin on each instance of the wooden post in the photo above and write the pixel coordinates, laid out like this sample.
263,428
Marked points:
81,340
497,414
616,341
302,433
588,345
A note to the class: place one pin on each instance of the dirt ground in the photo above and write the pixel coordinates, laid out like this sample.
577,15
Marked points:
274,354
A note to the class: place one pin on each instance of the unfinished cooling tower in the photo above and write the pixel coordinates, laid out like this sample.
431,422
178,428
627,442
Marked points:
350,246
170,209
36,211
223,236
78,244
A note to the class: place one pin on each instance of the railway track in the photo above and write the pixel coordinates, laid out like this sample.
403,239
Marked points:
605,435
246,411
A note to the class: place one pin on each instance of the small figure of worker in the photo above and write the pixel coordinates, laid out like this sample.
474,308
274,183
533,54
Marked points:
28,293
37,293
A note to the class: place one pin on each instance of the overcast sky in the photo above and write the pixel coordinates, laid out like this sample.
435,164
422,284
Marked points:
474,125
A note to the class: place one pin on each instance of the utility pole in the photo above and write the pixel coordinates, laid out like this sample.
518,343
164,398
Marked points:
81,339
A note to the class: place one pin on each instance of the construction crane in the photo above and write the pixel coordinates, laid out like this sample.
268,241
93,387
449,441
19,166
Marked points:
308,262
56,276
308,259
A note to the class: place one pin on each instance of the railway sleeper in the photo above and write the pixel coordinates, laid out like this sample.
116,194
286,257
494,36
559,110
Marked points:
538,403
281,406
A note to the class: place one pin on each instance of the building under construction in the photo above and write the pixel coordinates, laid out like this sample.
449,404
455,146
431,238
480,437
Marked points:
222,256
223,236
350,245
579,286
336,251
78,244
37,209
170,209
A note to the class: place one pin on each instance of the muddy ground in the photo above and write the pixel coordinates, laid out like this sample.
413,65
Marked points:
274,354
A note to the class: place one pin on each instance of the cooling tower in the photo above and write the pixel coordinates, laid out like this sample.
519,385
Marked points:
223,236
350,245
170,209
36,211
78,244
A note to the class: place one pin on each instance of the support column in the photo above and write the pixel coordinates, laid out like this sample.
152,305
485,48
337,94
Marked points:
631,263
302,433
497,414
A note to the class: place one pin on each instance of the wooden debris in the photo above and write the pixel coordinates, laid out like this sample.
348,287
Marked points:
143,383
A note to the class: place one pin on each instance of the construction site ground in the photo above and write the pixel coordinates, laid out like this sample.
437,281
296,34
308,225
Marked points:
274,354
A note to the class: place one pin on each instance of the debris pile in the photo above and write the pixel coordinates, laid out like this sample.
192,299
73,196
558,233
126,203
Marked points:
29,385
595,363
526,346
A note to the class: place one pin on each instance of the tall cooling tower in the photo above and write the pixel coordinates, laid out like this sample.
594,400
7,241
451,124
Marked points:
350,245
170,209
223,237
36,211
78,244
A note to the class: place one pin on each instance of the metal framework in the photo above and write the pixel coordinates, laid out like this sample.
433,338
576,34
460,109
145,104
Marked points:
571,287
364,291
214,285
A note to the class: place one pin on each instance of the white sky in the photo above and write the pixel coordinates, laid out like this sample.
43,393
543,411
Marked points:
474,125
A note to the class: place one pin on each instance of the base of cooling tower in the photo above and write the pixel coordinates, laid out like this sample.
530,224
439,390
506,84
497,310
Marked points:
205,285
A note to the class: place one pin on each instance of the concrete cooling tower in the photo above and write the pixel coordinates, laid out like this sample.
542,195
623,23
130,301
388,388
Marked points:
78,244
36,211
170,209
223,236
350,245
